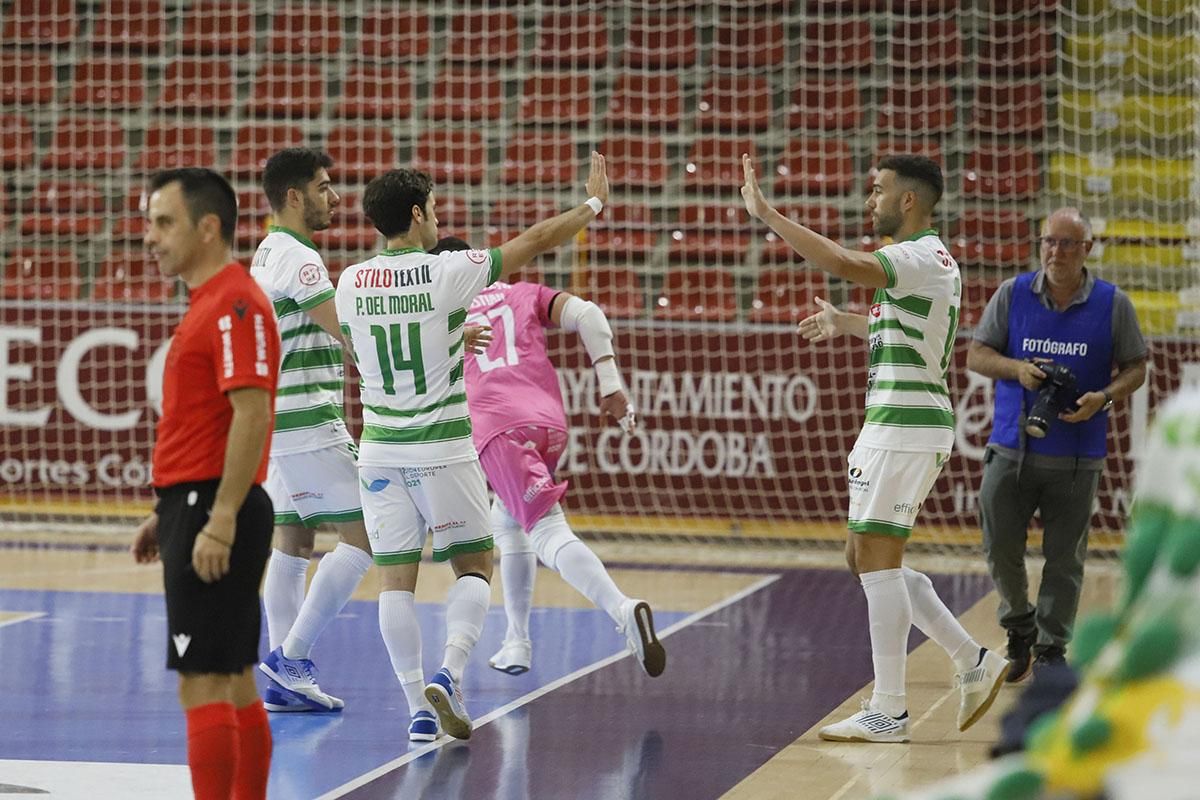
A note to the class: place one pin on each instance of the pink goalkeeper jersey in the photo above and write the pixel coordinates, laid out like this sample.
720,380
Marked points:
513,383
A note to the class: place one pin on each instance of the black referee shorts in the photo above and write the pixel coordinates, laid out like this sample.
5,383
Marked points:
212,627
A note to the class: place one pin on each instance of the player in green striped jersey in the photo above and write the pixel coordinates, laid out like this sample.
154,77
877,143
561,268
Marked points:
313,478
908,432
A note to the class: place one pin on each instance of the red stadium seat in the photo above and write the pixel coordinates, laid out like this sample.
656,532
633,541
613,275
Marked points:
744,42
288,89
197,86
1010,173
825,220
254,144
1009,109
572,40
976,292
826,105
16,141
61,208
349,233
1017,48
698,294
308,31
636,162
845,45
41,275
820,167
109,83
917,109
624,232
360,153
26,78
464,94
40,23
171,145
130,224
375,92
785,296
546,159
388,34
253,204
131,276
617,290
918,8
458,213
216,27
993,238
84,143
711,234
522,212
660,42
556,97
643,100
927,45
846,6
735,103
716,163
130,25
452,156
1025,7
484,37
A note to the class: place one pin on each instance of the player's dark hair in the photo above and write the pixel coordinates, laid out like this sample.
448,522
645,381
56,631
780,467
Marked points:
204,192
389,199
291,168
920,169
448,244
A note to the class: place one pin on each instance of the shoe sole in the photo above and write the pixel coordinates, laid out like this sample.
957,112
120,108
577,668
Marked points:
830,737
511,669
452,724
654,655
991,698
422,737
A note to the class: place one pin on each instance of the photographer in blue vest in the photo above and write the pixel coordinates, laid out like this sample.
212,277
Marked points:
1052,340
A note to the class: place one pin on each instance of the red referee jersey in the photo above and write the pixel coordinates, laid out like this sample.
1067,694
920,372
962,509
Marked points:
226,340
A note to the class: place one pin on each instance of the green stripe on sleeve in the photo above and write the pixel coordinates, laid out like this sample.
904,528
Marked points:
494,275
285,306
910,417
888,269
420,434
316,299
914,304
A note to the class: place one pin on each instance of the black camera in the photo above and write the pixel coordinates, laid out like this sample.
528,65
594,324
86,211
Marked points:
1057,393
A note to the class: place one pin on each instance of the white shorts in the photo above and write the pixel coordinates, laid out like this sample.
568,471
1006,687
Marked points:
887,488
401,503
315,487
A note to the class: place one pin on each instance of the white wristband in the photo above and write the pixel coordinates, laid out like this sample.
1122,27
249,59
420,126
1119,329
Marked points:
595,204
609,377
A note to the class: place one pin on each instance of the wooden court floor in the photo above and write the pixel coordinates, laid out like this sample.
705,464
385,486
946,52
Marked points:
771,755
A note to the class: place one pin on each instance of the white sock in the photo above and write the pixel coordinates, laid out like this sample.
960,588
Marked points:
466,607
402,636
517,573
890,615
933,619
583,569
283,594
338,575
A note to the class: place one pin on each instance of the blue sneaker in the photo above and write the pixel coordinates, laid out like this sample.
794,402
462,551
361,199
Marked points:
279,699
298,676
447,700
423,728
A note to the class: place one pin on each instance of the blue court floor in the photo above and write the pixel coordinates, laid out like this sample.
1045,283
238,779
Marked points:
85,682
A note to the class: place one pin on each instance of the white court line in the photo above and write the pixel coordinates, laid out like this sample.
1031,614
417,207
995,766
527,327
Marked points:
21,617
412,755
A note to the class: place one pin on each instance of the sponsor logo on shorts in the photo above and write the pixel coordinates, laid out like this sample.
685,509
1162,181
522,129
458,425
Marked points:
535,489
181,640
452,525
377,485
907,508
856,480
307,496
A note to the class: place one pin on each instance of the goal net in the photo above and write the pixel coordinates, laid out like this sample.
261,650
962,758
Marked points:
745,428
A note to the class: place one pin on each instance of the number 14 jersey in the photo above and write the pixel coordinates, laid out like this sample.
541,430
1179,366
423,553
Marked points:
403,313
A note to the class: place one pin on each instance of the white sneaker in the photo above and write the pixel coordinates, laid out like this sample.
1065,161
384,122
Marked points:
513,657
868,725
637,623
297,677
447,700
980,685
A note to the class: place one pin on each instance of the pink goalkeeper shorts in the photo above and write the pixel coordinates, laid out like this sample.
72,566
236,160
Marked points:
519,465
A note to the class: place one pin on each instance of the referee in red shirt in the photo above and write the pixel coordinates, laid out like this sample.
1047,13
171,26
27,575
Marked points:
212,525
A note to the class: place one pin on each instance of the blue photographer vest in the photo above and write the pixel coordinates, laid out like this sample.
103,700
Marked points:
1079,338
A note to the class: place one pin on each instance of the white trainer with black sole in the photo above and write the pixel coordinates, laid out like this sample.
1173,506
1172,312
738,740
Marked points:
513,657
637,623
868,725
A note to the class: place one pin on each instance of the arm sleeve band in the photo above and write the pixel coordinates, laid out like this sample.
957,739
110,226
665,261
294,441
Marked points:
585,318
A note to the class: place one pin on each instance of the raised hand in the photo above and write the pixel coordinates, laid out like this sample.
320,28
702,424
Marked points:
756,203
597,182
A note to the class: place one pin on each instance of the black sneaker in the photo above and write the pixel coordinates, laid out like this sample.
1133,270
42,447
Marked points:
1019,656
1050,657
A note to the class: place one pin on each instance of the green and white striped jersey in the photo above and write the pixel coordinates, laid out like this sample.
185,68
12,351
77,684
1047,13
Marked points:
403,313
309,402
911,327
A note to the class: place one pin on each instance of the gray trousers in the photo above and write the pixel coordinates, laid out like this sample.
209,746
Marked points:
1006,503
